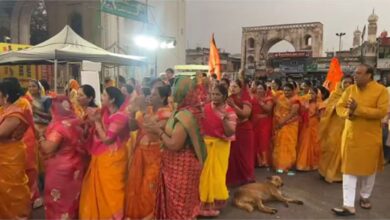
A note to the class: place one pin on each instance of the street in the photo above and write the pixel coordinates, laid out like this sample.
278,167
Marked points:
319,197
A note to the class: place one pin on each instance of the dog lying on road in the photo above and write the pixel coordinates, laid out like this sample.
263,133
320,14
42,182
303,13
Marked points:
253,195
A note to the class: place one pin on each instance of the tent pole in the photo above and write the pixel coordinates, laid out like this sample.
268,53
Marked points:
55,76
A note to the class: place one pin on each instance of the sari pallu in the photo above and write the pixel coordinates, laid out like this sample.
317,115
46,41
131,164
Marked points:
64,170
286,138
30,141
241,160
15,201
262,129
144,170
103,188
213,190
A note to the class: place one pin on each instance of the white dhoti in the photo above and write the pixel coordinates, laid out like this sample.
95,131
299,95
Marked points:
349,188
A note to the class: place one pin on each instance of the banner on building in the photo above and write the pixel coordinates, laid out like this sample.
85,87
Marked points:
130,9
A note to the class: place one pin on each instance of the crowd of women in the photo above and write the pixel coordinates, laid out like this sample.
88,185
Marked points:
169,153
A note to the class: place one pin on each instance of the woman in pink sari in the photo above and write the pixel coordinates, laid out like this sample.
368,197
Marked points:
64,163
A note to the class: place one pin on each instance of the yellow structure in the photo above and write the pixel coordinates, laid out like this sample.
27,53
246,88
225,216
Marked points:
23,72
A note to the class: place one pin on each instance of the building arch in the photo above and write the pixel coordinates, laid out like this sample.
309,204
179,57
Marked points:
302,36
251,43
21,20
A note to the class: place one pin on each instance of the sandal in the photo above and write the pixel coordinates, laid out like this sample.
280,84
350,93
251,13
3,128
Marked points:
290,173
342,212
38,203
209,213
365,203
279,171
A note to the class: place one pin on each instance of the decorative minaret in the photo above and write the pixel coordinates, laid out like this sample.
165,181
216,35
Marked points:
357,34
372,27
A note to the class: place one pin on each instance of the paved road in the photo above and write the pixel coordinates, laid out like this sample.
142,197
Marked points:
319,198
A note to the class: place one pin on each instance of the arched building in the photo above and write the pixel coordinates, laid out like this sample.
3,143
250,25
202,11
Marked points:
114,33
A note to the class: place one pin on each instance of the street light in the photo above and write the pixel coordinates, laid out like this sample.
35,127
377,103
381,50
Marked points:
147,42
340,35
153,43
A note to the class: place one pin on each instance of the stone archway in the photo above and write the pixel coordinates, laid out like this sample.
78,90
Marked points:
281,46
21,19
83,14
303,36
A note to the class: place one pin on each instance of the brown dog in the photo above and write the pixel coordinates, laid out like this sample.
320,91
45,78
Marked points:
253,195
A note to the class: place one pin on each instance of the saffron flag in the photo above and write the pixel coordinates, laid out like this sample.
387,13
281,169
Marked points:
214,60
335,74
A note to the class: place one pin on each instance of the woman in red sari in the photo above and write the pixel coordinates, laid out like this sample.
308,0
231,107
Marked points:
241,161
15,119
64,167
182,156
144,166
262,106
103,189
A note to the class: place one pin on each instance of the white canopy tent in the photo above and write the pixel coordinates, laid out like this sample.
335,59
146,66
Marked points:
67,46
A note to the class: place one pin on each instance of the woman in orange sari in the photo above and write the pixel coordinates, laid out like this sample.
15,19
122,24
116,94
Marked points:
262,106
15,119
144,166
103,189
286,130
86,103
309,147
30,141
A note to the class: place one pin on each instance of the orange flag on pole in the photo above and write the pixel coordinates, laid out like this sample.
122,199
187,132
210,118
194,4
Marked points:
214,60
335,74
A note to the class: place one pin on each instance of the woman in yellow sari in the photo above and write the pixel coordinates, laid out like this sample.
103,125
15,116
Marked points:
276,85
103,189
15,119
286,130
330,130
219,127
